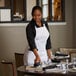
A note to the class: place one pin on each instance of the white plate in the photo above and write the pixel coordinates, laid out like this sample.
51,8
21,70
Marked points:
72,70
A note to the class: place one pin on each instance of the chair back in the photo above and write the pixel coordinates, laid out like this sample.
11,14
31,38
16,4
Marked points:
70,51
19,59
72,55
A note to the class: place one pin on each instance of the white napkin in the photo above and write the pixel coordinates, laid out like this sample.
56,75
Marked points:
55,70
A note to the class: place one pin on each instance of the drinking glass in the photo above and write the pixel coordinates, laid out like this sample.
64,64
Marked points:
74,62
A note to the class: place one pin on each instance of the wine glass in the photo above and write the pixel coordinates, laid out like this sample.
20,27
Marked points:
74,62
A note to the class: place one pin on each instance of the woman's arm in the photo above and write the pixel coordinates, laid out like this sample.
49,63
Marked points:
49,53
30,34
37,59
30,31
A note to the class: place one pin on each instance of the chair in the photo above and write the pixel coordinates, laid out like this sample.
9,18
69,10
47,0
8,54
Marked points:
19,62
70,51
6,65
72,55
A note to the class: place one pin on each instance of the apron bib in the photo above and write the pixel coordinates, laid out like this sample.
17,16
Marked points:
41,37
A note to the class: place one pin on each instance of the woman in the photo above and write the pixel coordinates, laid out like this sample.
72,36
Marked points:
38,37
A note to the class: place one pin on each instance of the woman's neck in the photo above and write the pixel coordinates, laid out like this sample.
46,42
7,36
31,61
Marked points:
39,24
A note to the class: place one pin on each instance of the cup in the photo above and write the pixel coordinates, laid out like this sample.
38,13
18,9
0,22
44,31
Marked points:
63,66
74,62
67,62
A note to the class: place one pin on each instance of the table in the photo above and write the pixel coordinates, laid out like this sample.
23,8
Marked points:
21,70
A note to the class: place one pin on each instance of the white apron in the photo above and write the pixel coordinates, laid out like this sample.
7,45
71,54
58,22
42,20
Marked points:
41,37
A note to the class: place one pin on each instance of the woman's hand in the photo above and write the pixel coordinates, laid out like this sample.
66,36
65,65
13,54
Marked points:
37,59
49,53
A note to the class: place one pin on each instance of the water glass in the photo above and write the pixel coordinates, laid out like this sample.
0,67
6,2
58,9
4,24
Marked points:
74,62
63,66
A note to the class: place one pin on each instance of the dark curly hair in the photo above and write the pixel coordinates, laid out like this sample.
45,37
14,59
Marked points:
36,8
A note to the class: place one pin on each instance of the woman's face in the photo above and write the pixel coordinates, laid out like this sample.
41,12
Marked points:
37,15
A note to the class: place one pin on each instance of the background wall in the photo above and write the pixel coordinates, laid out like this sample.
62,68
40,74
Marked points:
13,38
2,3
74,15
62,36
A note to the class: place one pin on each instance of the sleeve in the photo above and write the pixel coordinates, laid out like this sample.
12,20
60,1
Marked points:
48,44
30,38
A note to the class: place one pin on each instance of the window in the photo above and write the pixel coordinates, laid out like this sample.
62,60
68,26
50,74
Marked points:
5,10
20,10
45,8
5,3
29,6
53,10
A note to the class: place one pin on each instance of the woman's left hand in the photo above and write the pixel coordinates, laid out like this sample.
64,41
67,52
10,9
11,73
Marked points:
49,61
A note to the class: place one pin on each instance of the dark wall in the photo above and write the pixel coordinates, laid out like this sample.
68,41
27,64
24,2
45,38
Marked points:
74,24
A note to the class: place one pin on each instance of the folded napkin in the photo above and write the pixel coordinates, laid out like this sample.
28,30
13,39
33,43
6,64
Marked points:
55,70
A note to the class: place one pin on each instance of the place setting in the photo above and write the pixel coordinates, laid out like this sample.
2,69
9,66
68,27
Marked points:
54,66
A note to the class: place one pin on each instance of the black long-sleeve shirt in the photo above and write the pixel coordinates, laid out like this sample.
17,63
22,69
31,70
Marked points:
31,33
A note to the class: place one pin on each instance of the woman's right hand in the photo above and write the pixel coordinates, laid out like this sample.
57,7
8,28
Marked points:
37,59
